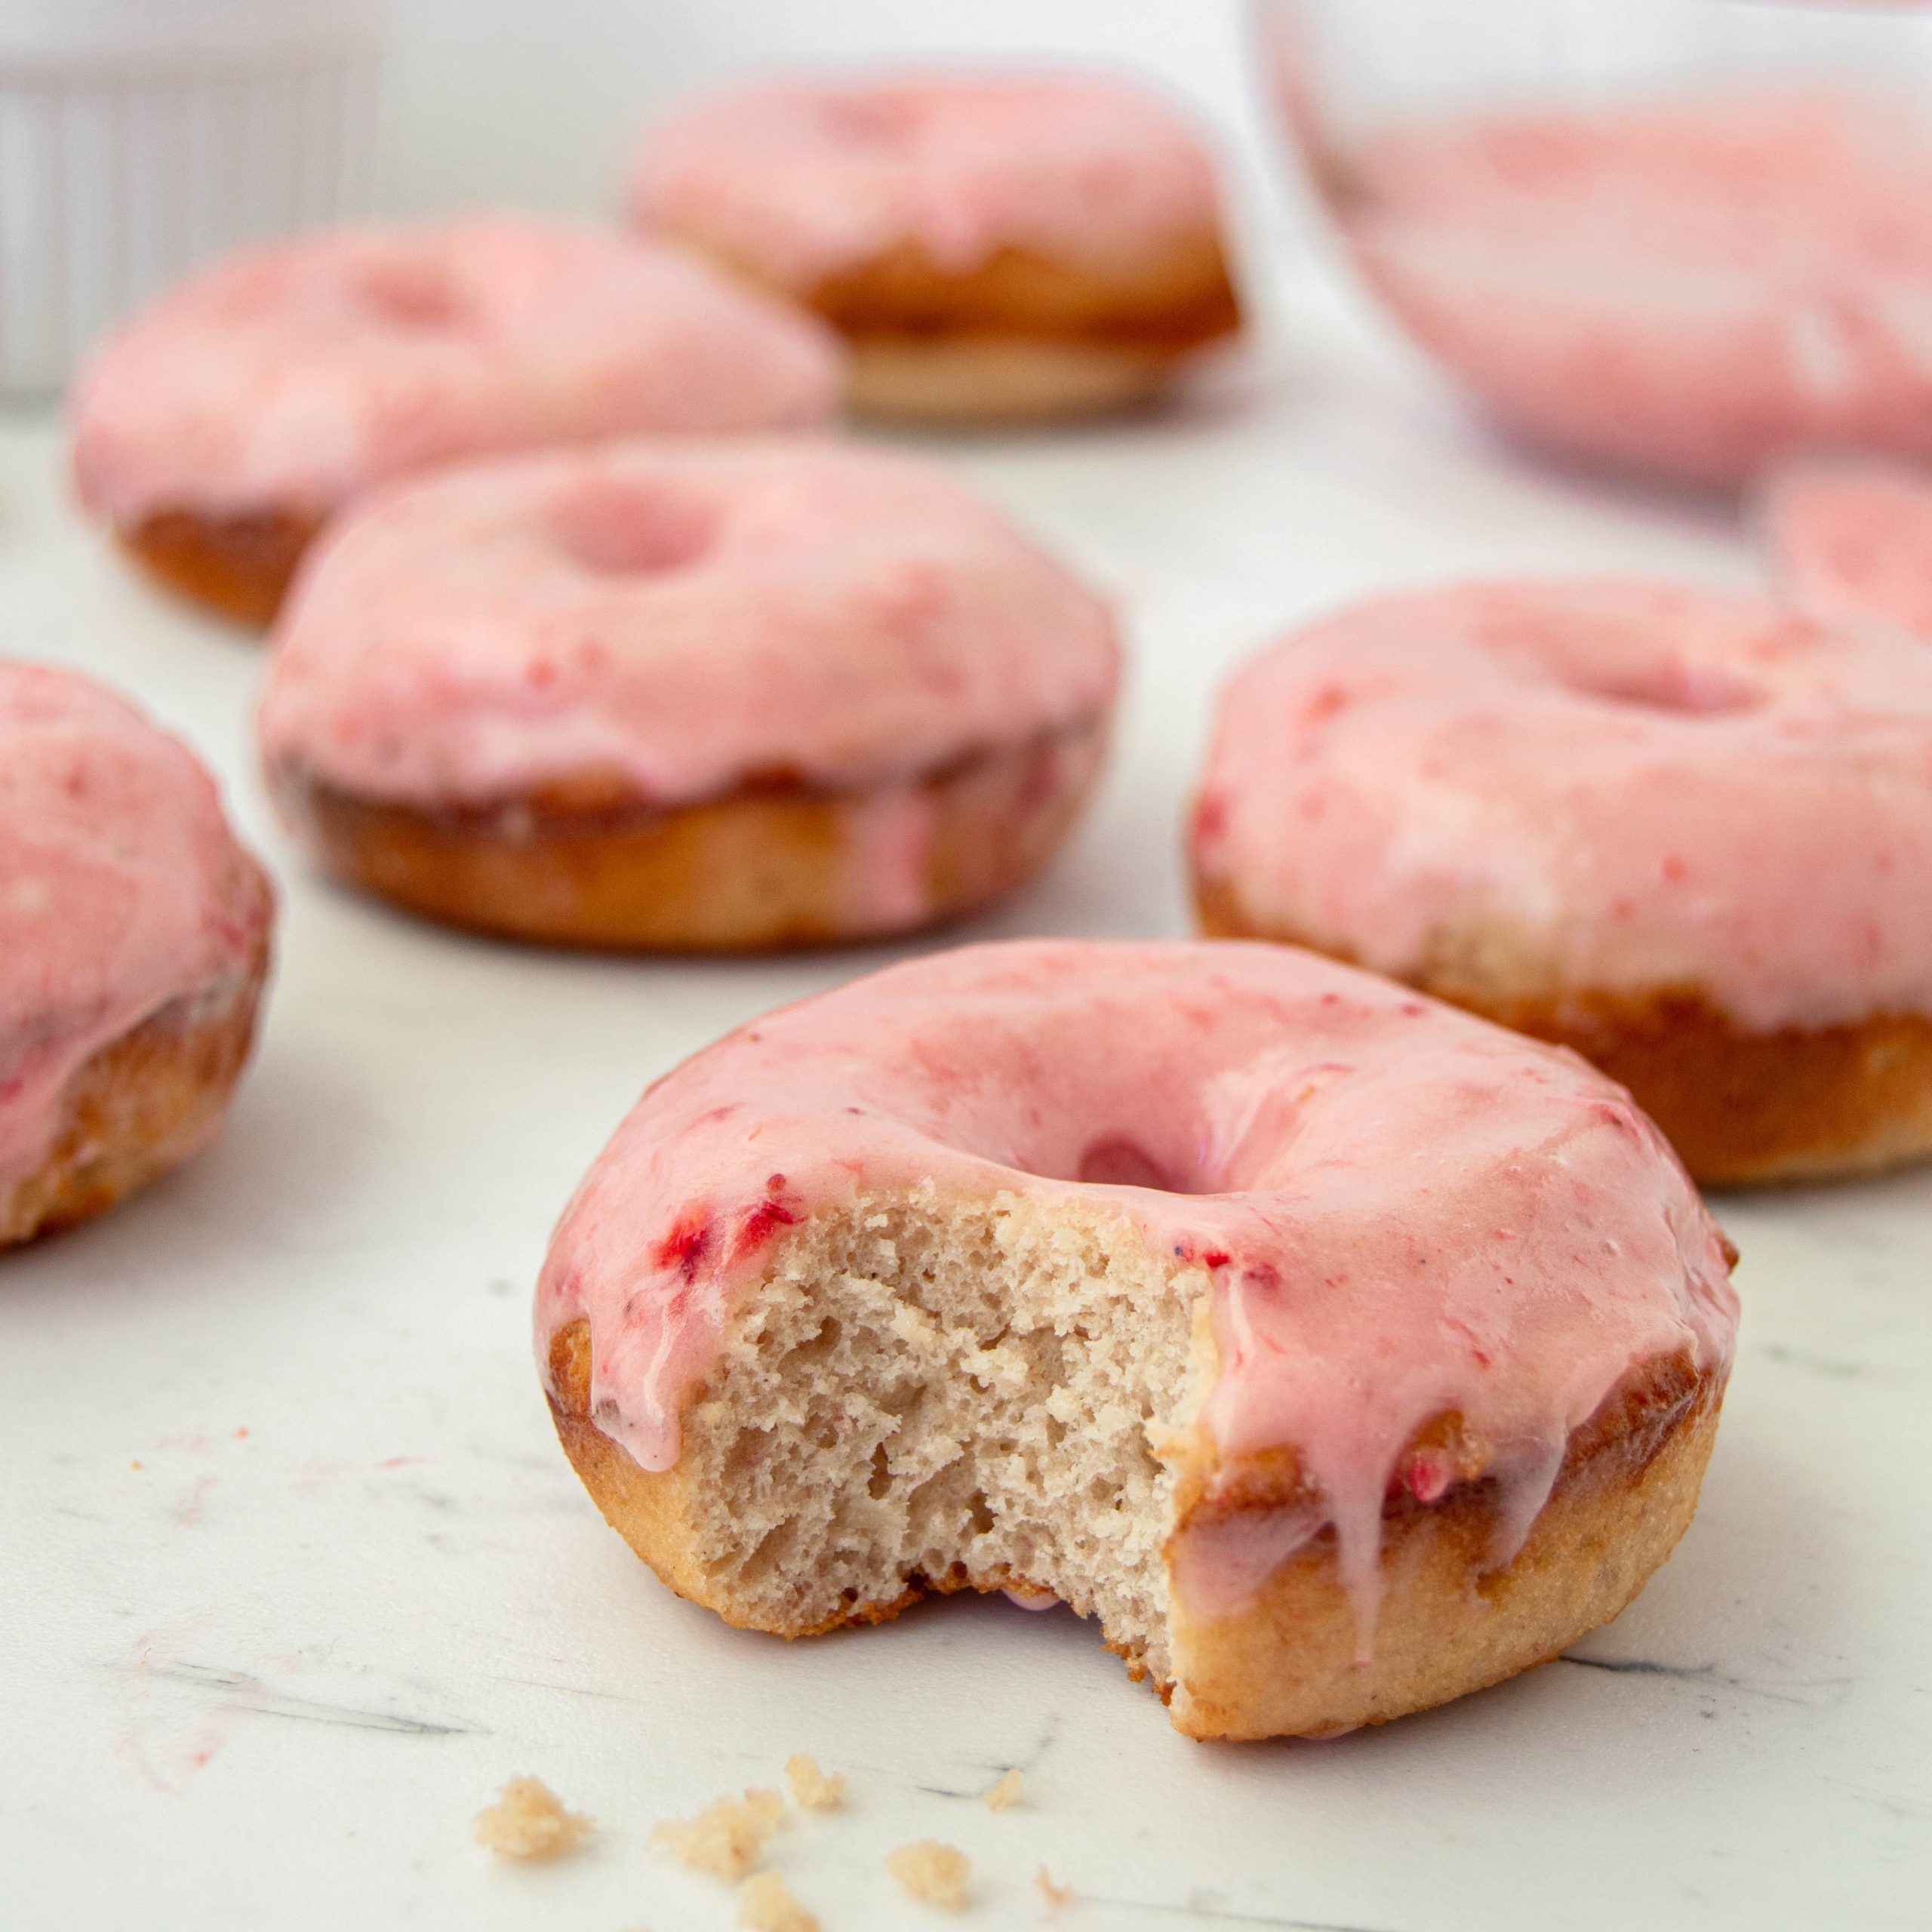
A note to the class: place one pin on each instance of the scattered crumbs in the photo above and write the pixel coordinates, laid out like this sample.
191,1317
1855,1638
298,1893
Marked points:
932,1872
528,1823
133,1466
813,1789
1007,1792
1057,1896
727,1840
766,1905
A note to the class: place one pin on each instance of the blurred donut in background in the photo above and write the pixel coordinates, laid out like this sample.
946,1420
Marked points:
217,431
994,246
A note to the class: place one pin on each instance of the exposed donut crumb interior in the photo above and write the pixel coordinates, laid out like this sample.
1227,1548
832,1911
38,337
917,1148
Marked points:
957,1394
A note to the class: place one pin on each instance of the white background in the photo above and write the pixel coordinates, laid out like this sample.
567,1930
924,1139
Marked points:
533,103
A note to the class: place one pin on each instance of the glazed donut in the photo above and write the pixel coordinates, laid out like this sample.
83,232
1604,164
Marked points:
686,696
1000,248
1340,1352
1851,541
133,947
218,430
1691,285
1688,834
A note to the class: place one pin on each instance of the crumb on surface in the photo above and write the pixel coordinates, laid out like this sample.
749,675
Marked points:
765,1904
529,1822
813,1789
1055,1894
932,1872
1009,1790
727,1839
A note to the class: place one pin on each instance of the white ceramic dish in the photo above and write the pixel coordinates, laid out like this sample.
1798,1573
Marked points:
140,137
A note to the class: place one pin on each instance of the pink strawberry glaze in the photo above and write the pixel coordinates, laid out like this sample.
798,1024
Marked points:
1398,1210
121,890
1610,786
685,617
1691,285
1851,541
797,181
290,377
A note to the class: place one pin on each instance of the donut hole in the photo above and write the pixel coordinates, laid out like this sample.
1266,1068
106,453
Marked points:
613,527
1667,684
1116,1160
875,120
412,297
940,1395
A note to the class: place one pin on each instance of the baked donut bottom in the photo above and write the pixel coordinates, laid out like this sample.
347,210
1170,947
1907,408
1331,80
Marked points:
138,1106
928,1396
768,868
1023,337
240,566
1741,1108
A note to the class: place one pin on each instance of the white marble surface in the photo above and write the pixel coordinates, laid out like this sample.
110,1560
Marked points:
295,1574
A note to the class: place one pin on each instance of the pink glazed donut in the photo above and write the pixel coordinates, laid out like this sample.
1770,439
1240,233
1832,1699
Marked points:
1688,834
995,247
686,696
219,430
1851,541
1340,1352
134,948
1694,285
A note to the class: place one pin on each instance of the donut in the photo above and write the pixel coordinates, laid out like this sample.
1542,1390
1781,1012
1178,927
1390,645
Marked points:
1851,541
1688,833
219,430
994,248
134,948
1689,285
686,696
1340,1352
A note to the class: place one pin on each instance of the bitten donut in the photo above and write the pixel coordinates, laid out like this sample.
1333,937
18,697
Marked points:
219,430
1688,834
134,946
994,246
1340,1352
686,696
1851,541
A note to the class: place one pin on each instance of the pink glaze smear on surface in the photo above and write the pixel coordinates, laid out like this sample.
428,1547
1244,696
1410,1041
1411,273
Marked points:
686,617
1851,541
1397,1210
1607,786
1691,285
797,181
292,377
121,891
